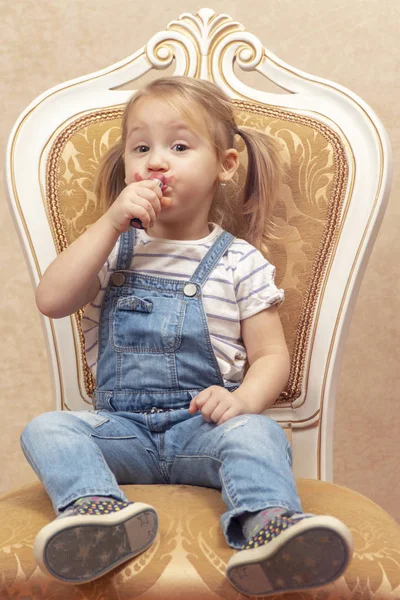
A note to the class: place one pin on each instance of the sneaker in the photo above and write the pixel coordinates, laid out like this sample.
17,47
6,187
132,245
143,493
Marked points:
92,537
292,552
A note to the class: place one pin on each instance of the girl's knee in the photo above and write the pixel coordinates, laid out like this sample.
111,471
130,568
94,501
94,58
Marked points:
41,424
255,427
272,430
272,427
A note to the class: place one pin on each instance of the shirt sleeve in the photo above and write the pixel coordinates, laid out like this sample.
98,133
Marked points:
104,273
254,282
108,268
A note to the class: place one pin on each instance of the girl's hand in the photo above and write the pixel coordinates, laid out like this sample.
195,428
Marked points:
217,405
140,200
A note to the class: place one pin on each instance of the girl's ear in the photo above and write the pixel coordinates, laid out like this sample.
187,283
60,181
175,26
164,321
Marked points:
229,166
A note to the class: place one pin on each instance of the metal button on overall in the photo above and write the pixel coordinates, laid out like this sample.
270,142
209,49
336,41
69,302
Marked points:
118,279
190,290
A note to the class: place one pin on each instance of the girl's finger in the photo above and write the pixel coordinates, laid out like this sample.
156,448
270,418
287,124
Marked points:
192,406
145,209
149,196
219,411
209,408
224,418
229,414
202,398
152,184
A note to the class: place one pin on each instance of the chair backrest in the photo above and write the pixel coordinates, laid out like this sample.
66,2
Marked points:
337,159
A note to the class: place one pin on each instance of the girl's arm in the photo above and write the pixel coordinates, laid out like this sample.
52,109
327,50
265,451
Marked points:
267,376
71,280
268,358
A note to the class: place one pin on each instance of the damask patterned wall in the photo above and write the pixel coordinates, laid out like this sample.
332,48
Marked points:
354,44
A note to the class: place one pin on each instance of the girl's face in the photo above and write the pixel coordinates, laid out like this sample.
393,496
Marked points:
159,141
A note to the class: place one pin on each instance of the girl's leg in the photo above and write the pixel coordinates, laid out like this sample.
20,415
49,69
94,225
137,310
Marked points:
78,455
248,458
88,453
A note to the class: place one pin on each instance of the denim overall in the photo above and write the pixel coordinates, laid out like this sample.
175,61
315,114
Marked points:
154,345
155,355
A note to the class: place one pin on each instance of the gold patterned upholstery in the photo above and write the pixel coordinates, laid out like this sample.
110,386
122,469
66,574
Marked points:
189,556
305,220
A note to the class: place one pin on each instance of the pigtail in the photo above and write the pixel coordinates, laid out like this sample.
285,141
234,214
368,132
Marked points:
263,183
110,179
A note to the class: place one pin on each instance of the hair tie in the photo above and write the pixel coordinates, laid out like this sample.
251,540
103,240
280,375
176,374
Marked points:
238,132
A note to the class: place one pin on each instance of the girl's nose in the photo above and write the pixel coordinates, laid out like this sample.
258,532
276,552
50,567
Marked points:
157,161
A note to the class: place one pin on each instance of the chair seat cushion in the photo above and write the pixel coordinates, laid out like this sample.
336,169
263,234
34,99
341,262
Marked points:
189,556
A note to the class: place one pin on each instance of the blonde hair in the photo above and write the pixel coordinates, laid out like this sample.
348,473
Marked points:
215,119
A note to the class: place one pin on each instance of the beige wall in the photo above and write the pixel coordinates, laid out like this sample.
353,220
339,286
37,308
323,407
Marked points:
354,43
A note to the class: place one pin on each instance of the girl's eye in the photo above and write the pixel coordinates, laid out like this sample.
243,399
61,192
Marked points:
141,149
180,147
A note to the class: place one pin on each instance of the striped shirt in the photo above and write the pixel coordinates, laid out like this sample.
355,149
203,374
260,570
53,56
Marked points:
241,285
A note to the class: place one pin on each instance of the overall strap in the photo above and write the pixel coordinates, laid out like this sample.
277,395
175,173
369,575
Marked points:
212,257
126,246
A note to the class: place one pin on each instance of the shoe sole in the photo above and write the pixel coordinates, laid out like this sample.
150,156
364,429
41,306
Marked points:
80,548
310,554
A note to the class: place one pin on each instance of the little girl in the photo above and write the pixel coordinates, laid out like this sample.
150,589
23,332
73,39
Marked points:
173,312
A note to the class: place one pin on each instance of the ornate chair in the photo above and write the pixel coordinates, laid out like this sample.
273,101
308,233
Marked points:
337,159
